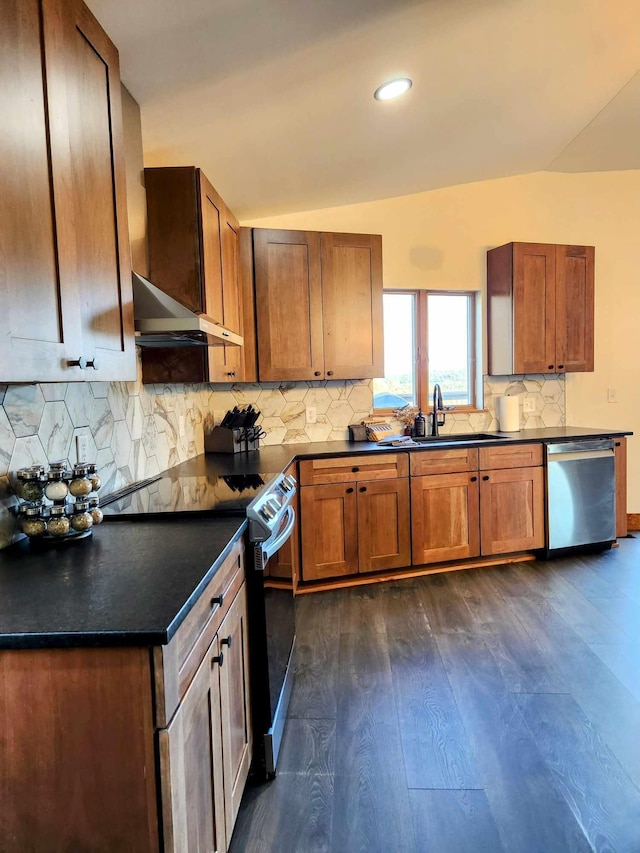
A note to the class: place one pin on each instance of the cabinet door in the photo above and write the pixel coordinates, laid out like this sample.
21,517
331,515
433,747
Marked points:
352,305
574,308
512,510
534,294
384,533
90,187
329,531
191,767
288,304
226,363
621,486
234,702
444,517
32,339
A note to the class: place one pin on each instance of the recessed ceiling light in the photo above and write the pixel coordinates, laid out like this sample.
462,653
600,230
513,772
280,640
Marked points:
393,89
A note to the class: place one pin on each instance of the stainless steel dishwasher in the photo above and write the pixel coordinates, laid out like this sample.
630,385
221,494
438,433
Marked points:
581,493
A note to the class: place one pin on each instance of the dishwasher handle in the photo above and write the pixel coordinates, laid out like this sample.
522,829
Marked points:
577,455
599,446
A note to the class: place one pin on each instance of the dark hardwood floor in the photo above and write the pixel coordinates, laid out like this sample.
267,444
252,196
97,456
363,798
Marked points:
483,710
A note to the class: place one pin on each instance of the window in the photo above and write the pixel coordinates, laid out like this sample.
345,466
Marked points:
428,339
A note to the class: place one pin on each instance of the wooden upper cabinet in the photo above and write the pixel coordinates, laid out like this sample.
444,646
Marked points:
540,308
288,304
64,268
318,305
194,257
352,305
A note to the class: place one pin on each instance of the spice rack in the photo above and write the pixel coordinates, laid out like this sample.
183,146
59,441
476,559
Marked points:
58,504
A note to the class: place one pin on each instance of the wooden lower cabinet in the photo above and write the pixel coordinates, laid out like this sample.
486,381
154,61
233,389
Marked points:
445,517
620,445
511,510
191,766
384,537
349,528
205,751
329,531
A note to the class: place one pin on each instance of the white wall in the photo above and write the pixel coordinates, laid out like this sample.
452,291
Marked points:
438,239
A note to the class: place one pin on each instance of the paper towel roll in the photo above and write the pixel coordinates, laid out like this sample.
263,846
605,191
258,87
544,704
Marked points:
508,413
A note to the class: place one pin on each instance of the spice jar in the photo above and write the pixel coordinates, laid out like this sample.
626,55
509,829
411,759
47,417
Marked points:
56,489
58,524
94,509
33,524
80,485
81,519
30,485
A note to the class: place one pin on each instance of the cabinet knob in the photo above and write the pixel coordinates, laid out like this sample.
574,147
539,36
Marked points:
363,488
473,479
78,362
618,444
550,367
349,490
317,373
561,367
329,372
226,641
355,469
485,477
219,659
93,363
217,599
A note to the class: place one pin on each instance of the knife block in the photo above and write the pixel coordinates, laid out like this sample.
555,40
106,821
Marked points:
224,440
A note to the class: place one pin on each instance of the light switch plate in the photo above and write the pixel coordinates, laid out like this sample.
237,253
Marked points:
612,395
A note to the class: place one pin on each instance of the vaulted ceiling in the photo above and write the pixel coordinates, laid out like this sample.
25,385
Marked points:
273,98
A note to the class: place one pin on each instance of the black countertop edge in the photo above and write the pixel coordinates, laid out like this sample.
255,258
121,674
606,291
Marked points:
81,639
197,592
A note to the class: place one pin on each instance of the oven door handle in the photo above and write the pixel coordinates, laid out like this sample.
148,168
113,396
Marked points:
270,546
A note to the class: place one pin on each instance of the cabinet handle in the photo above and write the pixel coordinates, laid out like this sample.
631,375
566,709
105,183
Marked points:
349,490
329,372
485,477
225,334
473,479
93,363
363,488
219,659
561,367
227,641
217,599
550,367
618,444
78,362
355,469
231,373
317,373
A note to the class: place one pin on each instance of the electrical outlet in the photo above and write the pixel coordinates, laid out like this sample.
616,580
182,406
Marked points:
312,415
529,404
82,448
612,395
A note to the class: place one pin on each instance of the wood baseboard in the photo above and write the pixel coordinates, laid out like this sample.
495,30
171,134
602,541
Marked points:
633,521
412,572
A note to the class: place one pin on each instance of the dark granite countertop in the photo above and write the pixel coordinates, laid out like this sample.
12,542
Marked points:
133,583
126,585
277,457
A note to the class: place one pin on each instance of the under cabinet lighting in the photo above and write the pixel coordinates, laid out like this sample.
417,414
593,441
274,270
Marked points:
393,89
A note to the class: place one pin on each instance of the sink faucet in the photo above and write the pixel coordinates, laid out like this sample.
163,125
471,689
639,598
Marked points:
437,407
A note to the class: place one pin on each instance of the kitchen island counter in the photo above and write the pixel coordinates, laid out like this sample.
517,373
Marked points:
126,585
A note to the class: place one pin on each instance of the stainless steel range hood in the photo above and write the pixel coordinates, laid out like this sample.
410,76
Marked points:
162,321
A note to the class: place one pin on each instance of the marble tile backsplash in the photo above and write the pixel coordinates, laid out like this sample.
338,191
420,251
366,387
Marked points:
135,431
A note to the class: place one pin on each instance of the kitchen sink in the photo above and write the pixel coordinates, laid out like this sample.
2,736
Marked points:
463,436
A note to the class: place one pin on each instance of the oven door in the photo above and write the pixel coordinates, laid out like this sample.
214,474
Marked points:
272,649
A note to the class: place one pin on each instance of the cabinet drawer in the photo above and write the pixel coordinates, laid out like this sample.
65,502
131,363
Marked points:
511,456
347,469
444,461
176,663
